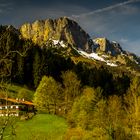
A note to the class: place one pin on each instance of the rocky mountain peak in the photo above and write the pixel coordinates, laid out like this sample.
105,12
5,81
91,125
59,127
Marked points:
104,45
113,51
58,29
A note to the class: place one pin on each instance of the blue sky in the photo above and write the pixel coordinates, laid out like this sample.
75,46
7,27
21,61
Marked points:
120,23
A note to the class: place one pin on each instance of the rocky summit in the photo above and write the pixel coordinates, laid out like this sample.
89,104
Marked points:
104,45
114,51
62,28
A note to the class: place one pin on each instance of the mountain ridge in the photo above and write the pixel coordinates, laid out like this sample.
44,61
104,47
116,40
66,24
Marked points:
66,33
62,28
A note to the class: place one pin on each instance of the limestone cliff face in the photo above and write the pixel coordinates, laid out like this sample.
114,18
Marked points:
114,50
104,45
59,29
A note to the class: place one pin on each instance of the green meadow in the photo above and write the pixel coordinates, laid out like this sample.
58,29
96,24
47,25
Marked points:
40,127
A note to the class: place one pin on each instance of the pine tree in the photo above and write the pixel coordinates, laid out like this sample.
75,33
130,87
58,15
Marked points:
37,68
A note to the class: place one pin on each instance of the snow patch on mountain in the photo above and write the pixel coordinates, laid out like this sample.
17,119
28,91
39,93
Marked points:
111,64
105,56
62,44
55,42
91,55
58,42
136,62
114,42
96,57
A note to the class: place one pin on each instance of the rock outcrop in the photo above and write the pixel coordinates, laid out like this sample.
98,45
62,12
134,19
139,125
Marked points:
114,50
58,29
104,45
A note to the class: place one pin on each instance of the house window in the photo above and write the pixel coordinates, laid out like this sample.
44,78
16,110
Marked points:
17,107
12,107
16,115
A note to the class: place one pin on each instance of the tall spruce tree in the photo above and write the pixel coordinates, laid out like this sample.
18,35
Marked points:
37,67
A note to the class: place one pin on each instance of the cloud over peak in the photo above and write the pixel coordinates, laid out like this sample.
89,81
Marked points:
105,9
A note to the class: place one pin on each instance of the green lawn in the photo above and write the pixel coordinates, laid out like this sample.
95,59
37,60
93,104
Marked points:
41,127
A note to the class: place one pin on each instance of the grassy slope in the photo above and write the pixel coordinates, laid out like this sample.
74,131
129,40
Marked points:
42,126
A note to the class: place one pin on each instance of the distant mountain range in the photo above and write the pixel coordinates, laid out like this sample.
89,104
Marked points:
69,32
66,33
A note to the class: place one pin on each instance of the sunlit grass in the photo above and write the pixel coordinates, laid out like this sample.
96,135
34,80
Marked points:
41,126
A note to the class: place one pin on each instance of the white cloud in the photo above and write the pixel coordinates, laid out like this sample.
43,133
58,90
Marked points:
126,10
123,40
5,7
105,9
